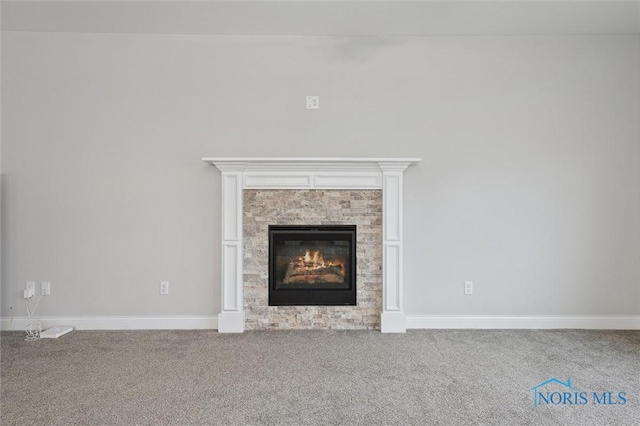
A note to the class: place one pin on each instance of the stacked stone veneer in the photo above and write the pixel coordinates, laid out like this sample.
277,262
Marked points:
362,208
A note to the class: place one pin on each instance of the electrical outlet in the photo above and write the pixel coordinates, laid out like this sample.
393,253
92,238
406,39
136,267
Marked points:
30,290
46,289
468,287
164,287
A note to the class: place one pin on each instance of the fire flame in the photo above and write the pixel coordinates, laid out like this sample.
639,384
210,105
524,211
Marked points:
314,260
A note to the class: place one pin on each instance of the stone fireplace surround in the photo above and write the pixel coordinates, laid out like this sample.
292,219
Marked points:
265,207
243,173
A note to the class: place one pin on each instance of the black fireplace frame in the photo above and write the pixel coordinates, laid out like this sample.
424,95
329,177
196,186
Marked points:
308,296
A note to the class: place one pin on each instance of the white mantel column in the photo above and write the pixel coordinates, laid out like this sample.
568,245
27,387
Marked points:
393,319
231,317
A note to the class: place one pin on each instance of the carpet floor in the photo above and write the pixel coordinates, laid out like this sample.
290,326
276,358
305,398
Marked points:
426,377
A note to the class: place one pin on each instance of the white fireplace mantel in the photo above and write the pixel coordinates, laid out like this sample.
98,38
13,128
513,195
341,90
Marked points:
311,173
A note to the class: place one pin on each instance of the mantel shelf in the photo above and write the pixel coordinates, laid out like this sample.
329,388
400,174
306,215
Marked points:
294,160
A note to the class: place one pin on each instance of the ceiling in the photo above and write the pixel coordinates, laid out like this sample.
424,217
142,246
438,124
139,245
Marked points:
381,18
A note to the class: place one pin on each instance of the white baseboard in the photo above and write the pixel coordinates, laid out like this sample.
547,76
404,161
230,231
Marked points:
118,323
596,322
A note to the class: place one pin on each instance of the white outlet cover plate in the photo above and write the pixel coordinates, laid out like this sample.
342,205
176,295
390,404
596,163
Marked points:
55,332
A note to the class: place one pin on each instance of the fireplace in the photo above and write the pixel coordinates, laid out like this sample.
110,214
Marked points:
312,265
258,191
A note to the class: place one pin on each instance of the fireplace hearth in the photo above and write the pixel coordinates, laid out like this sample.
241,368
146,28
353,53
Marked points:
312,265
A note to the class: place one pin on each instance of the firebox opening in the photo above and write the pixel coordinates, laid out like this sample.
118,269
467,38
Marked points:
312,265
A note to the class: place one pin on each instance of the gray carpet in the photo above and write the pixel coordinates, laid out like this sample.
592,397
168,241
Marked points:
439,377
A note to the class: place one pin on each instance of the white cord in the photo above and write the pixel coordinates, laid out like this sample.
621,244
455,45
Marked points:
34,327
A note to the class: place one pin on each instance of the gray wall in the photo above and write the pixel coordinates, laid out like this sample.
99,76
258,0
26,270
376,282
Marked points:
529,184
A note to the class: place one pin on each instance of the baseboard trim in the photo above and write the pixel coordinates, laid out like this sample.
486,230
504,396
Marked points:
118,323
597,322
